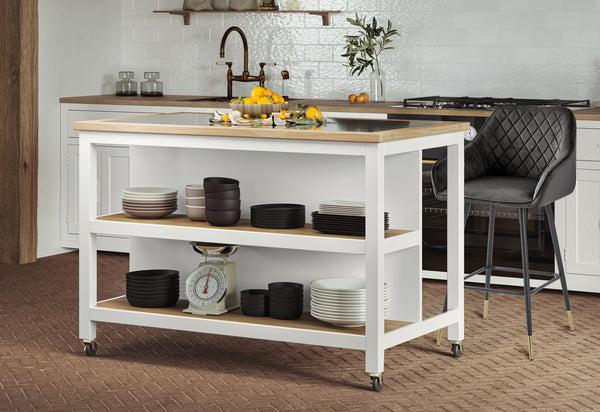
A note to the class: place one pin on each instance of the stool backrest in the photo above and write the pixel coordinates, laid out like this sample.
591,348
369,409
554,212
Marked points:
525,140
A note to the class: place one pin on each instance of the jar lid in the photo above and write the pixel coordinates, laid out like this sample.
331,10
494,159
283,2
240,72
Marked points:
125,74
151,75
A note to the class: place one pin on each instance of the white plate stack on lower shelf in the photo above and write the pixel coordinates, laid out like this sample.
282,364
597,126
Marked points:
149,202
342,301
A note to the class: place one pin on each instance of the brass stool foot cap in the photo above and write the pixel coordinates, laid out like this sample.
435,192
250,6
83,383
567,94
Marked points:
571,324
439,337
485,308
530,339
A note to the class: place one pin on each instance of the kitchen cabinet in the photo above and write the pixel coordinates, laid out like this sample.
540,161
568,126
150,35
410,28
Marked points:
113,169
372,150
578,215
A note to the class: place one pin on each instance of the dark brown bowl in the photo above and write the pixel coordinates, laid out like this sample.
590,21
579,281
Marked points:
149,274
220,184
218,203
228,194
223,217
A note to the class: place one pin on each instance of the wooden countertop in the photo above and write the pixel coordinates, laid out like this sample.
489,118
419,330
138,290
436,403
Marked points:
592,113
346,130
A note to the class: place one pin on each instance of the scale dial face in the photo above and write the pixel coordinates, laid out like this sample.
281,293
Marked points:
206,285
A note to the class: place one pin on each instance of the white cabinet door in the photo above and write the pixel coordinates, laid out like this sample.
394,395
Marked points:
582,224
114,177
72,195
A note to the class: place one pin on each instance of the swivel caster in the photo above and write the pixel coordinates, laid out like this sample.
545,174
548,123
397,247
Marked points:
91,348
376,383
457,350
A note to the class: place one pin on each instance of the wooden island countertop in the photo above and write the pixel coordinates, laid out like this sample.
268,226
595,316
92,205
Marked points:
347,130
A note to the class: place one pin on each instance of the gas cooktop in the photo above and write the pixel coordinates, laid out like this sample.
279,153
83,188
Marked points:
485,103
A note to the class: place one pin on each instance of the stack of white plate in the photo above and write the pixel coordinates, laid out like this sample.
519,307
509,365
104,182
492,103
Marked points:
342,207
341,301
149,202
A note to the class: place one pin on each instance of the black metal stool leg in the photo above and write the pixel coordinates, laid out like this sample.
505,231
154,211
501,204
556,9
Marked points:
488,259
526,283
559,263
439,337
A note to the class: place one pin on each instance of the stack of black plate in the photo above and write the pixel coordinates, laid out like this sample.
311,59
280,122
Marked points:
155,288
286,300
342,225
254,302
277,216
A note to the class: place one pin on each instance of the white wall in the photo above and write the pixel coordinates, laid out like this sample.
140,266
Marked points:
518,48
79,54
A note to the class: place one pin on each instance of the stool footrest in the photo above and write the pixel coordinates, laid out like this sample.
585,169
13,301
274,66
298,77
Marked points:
551,275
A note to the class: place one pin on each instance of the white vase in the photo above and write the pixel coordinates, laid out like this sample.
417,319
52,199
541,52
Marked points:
377,83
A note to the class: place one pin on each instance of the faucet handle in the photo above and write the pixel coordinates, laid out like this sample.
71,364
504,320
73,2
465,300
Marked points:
222,62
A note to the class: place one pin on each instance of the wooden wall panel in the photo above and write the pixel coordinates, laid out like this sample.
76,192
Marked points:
18,131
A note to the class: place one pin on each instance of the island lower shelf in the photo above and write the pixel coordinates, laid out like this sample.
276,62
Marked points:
306,329
180,227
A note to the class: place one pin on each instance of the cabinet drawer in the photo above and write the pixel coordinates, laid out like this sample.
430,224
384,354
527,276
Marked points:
588,144
77,115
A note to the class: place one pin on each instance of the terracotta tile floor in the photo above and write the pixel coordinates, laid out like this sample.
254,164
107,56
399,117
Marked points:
43,367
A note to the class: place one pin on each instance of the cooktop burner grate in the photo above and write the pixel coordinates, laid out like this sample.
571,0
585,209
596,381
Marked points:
483,103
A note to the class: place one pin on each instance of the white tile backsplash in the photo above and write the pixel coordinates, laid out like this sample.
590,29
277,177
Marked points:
520,48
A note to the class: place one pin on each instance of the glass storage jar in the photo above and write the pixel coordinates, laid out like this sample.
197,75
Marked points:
126,86
152,87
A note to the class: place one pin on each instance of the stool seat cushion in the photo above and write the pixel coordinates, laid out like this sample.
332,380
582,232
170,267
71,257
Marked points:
506,190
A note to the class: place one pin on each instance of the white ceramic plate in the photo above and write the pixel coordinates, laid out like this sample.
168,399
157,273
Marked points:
148,209
339,284
148,215
144,191
149,204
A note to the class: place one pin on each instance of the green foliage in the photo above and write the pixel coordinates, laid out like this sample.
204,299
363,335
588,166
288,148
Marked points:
363,50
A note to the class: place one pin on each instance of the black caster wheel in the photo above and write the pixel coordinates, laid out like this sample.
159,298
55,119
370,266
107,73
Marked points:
457,350
91,348
376,383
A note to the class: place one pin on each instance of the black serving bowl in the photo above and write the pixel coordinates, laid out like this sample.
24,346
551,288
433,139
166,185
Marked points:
286,288
227,194
220,184
286,313
223,217
294,300
219,203
256,296
153,289
254,310
153,282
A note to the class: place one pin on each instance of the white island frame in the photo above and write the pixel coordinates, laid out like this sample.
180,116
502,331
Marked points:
378,334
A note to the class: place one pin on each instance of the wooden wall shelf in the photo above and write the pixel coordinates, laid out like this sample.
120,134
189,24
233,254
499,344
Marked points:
186,13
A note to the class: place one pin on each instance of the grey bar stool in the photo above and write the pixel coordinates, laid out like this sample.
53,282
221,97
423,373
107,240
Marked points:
523,157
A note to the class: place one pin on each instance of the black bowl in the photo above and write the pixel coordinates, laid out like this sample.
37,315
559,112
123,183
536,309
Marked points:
285,314
286,305
223,217
153,282
228,194
219,184
286,301
152,303
159,295
254,292
152,290
151,274
219,203
255,311
285,287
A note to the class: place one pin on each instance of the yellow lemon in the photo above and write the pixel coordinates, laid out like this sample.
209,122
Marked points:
265,100
246,115
277,99
314,113
249,100
263,116
225,118
257,91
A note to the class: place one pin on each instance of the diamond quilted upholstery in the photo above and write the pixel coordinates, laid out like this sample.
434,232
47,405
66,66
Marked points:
524,141
519,142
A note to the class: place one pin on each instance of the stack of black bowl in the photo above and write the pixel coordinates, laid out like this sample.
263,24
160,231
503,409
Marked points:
222,201
255,302
277,215
154,288
286,300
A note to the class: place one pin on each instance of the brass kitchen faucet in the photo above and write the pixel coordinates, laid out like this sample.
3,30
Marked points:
245,76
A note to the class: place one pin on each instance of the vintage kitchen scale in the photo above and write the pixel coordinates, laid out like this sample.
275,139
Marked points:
211,288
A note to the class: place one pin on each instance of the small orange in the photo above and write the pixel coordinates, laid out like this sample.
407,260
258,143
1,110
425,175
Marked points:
314,113
225,118
361,99
263,116
246,115
268,92
366,96
352,98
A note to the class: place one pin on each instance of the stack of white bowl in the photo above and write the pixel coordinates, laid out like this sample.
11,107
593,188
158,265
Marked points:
149,202
341,301
195,202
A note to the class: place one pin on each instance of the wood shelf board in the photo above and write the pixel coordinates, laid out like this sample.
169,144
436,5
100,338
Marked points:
242,225
306,321
186,13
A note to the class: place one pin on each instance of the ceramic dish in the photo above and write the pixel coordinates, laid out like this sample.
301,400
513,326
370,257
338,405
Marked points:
255,110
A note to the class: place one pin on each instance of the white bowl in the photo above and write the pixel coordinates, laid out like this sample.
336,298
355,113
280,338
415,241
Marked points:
196,213
194,190
195,201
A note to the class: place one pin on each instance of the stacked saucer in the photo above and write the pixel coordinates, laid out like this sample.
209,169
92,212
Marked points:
342,301
149,202
277,216
342,217
155,288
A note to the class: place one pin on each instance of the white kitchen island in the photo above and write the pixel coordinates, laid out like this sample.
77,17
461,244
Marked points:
377,161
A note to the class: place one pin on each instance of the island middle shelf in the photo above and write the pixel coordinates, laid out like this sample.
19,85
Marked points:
179,227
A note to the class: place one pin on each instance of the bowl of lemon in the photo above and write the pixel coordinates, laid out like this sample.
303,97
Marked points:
261,102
